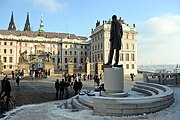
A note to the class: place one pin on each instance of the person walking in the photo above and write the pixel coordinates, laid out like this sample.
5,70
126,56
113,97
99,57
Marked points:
62,86
57,87
132,76
12,74
76,87
3,85
79,86
97,80
116,34
7,90
17,80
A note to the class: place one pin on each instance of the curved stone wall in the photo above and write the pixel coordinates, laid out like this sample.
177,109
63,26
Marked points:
163,98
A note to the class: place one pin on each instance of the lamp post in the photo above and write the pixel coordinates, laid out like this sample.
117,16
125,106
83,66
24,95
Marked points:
59,42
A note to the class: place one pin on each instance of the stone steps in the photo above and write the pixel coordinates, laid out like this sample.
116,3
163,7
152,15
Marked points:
152,89
76,103
85,102
161,98
144,91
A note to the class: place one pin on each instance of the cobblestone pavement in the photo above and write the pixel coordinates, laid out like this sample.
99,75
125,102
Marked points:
39,91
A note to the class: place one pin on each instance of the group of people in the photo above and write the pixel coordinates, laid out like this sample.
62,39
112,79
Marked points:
5,89
39,73
62,87
16,73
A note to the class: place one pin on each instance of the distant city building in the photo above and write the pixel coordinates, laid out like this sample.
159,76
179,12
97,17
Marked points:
63,46
177,69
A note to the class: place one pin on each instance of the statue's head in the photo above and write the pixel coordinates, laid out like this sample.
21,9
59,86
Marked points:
114,17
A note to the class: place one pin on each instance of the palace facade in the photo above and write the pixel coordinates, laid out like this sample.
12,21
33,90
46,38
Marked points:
24,46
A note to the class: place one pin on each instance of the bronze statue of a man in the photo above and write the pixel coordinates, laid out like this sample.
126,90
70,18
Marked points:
116,34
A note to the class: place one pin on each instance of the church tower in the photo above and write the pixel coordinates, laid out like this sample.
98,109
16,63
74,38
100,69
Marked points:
41,27
27,24
11,24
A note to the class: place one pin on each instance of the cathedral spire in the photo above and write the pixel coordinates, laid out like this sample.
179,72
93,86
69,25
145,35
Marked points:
41,27
27,24
11,24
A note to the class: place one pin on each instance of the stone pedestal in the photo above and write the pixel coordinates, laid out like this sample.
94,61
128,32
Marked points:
87,68
70,68
49,66
113,79
98,67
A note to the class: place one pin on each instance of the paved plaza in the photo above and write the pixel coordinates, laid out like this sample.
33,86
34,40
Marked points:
43,90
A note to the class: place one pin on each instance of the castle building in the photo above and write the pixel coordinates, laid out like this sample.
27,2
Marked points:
63,46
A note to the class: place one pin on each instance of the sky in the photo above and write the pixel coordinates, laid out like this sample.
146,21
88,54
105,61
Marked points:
157,21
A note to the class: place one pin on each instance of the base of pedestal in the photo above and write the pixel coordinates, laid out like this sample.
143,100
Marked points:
113,94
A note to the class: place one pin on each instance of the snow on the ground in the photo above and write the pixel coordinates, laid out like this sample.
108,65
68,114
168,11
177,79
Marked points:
52,111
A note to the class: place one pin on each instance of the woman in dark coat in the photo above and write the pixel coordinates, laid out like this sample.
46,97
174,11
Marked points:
57,88
17,80
76,87
80,86
62,86
7,90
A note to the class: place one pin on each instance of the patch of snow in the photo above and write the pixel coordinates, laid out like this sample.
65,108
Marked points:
50,111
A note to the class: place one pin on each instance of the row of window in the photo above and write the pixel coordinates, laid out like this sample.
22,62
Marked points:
5,59
97,37
74,46
128,66
127,57
25,44
127,36
6,66
127,46
100,46
100,36
97,47
6,43
12,43
97,56
6,51
75,53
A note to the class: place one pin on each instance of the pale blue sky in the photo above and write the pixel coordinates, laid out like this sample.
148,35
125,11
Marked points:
79,16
